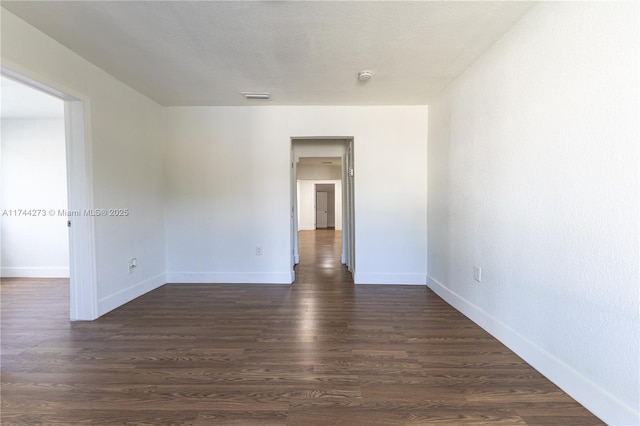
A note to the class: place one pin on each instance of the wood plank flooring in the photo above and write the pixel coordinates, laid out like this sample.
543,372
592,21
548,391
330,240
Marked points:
320,352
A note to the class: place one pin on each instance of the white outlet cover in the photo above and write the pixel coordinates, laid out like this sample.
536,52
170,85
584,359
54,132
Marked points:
477,273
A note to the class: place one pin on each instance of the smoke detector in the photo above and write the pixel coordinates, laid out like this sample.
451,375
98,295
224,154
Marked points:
364,75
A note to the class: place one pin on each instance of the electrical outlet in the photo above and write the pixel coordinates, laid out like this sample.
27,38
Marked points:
133,264
258,250
477,273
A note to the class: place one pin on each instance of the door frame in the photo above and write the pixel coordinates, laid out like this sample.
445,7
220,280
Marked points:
348,200
348,209
83,303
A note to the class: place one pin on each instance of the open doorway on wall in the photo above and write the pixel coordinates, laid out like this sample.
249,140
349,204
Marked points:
34,238
46,174
322,201
325,195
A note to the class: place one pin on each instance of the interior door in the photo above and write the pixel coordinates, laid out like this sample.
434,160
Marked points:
321,210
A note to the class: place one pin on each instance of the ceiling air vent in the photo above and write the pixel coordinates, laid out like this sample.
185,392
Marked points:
262,96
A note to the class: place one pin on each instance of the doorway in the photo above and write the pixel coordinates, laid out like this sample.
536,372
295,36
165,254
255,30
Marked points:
33,183
325,206
321,198
79,229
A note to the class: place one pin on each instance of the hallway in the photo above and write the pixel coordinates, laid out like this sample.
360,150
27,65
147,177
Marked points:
320,266
320,352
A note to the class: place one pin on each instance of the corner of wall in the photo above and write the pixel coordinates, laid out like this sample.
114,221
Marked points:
130,293
587,393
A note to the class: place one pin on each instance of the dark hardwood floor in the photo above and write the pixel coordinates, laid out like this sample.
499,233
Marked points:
320,352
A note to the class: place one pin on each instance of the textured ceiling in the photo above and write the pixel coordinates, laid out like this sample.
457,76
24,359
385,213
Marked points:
303,52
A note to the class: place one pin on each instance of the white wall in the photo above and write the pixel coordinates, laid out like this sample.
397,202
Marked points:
34,177
533,175
312,171
125,141
318,147
307,203
229,190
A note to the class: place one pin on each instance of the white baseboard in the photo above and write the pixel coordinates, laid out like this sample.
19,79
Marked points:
390,279
230,277
35,272
118,299
587,393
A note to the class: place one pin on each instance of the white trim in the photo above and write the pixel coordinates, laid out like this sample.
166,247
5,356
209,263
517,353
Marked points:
390,279
82,246
37,81
35,272
587,393
295,252
231,277
118,299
